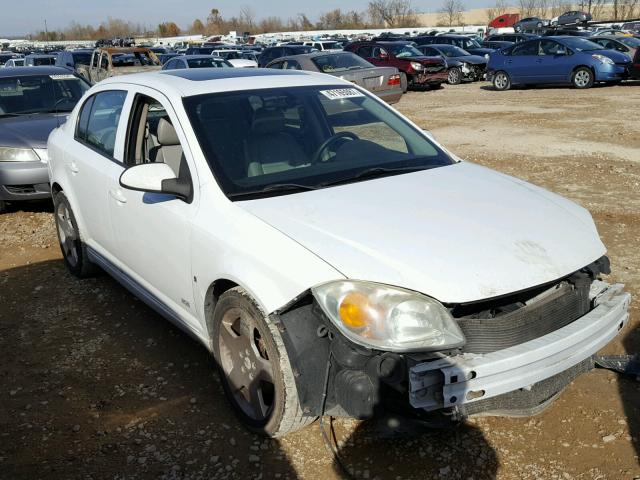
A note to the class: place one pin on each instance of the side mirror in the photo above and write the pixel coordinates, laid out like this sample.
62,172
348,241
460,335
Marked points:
155,178
429,134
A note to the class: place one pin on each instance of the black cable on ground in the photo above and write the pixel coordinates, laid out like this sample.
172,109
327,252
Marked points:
327,441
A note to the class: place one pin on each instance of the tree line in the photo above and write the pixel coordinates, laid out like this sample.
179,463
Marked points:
378,14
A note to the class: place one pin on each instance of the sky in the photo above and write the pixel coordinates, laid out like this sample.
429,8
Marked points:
25,16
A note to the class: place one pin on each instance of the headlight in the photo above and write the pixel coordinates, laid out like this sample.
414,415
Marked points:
602,59
9,154
388,318
417,66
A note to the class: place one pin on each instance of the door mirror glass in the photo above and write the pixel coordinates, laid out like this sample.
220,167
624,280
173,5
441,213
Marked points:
154,178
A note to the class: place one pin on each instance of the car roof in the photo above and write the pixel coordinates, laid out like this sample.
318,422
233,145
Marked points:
197,81
30,71
199,56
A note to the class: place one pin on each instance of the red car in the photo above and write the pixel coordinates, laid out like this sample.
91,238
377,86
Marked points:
416,70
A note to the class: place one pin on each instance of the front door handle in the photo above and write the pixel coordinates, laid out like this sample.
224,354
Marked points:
73,167
118,196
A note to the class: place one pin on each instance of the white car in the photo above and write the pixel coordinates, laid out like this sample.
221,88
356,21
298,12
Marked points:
333,257
235,58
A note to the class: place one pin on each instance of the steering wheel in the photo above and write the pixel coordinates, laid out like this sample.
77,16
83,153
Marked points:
330,141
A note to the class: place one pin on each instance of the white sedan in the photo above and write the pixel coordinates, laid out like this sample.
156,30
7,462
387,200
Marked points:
333,257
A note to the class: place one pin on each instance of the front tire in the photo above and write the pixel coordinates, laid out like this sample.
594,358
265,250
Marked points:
582,78
501,81
254,367
74,252
455,76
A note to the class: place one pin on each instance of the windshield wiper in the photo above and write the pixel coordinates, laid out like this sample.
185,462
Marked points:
375,172
276,187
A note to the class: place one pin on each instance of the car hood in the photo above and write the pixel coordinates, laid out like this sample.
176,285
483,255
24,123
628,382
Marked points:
29,131
459,233
472,59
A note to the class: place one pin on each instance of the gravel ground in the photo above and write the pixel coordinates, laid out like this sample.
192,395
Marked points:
95,385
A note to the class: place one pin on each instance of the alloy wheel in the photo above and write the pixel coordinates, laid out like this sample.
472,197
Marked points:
501,81
67,234
454,76
247,367
582,78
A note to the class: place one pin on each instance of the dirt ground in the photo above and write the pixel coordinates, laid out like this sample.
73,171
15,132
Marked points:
96,385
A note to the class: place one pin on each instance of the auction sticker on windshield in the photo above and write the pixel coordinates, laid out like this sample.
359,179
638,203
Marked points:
62,77
340,93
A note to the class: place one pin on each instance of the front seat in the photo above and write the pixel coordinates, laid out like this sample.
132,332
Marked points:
169,150
269,148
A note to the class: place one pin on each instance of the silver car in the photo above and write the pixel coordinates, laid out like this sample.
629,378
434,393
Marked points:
33,102
385,82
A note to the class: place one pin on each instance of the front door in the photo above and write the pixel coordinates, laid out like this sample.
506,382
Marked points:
153,231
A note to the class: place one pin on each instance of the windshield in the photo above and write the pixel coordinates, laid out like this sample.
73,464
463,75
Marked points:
208,62
451,51
265,141
581,45
40,93
403,51
341,62
82,58
470,43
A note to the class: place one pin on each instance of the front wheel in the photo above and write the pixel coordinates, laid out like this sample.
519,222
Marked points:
501,81
455,76
254,366
582,78
74,252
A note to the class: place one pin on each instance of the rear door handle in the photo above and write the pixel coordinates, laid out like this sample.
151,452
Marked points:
118,196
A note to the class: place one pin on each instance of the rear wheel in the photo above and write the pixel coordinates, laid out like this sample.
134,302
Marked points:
582,78
73,249
501,81
404,83
254,366
455,76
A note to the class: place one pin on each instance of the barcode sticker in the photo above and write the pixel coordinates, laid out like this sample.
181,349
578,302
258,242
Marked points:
340,93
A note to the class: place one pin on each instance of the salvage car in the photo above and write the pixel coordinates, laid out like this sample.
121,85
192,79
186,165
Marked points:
33,101
109,62
331,254
39,60
470,67
382,81
530,23
561,60
572,17
461,41
416,69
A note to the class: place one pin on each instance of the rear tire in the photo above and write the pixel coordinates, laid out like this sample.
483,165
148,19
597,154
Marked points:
254,367
455,76
74,251
582,78
501,81
404,83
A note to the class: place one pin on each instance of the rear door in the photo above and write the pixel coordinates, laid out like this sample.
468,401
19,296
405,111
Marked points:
522,64
92,159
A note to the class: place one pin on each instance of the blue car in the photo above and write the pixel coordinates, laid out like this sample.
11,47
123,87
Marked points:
562,60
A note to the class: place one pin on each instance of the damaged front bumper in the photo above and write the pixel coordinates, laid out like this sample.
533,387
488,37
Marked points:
456,381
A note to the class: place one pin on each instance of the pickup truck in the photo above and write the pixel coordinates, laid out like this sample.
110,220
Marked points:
110,62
